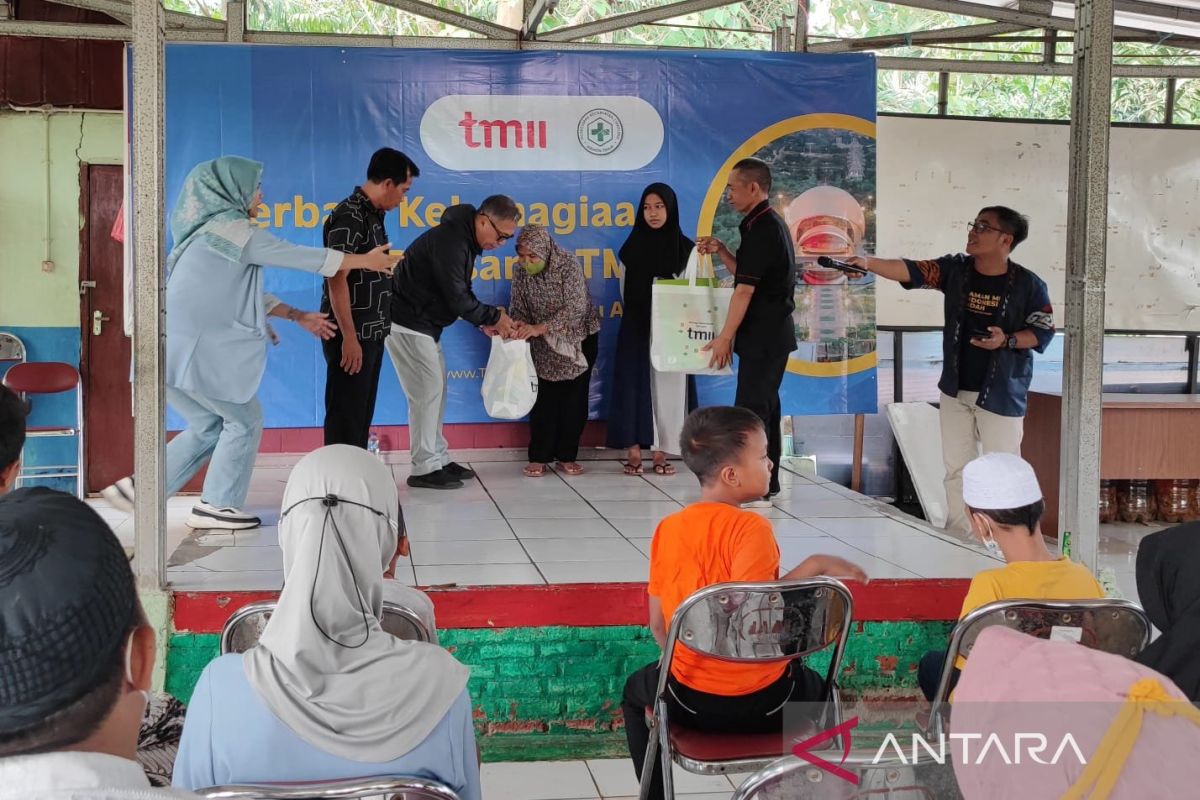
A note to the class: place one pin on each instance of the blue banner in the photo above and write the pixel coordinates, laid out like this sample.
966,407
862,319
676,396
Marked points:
574,138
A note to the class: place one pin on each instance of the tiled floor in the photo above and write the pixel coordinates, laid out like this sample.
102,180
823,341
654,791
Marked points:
505,528
611,779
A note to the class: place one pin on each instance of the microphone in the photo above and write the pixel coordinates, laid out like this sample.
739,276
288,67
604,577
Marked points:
831,263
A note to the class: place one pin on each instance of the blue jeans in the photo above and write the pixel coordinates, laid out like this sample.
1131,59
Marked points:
226,435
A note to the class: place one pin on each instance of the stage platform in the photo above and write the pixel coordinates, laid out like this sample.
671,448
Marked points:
539,586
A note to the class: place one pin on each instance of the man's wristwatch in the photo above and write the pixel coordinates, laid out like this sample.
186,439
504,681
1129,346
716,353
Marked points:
293,313
1011,342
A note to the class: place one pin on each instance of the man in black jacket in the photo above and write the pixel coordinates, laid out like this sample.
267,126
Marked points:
431,289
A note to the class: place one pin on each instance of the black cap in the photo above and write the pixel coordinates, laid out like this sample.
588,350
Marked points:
67,601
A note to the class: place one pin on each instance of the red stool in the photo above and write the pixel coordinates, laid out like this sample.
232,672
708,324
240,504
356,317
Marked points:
50,377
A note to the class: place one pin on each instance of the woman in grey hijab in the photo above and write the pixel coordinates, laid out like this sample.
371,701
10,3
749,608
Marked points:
327,693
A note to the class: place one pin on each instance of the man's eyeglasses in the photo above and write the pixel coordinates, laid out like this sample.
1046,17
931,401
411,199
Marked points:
504,237
982,227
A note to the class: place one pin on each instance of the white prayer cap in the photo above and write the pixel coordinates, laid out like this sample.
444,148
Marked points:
1000,481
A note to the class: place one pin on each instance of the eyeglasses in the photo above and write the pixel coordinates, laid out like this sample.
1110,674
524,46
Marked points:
982,227
504,237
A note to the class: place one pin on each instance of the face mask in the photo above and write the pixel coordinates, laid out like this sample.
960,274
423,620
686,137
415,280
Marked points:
989,541
533,267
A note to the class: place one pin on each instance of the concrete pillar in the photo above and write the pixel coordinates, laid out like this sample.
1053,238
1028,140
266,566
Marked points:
149,422
1087,229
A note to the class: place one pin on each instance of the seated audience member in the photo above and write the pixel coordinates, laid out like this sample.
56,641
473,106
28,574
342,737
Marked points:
1005,507
715,541
327,694
1168,563
394,591
12,436
1134,728
76,655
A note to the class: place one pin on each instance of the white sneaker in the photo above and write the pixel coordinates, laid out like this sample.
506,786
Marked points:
764,502
120,495
230,519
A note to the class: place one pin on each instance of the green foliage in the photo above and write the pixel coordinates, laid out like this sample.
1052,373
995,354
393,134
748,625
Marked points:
748,25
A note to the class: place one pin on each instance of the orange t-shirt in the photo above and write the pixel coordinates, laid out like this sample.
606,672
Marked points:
703,544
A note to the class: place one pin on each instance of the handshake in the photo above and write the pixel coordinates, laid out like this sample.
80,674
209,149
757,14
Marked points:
508,328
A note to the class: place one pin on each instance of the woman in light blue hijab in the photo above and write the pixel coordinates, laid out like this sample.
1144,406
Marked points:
217,333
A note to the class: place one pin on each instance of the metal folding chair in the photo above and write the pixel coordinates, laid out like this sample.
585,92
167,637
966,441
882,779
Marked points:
789,778
245,627
1112,626
747,623
384,788
50,377
12,349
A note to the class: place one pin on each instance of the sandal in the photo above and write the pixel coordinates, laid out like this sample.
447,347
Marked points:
633,469
664,468
571,468
534,470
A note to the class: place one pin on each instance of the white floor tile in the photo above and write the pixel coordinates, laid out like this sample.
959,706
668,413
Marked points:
867,528
836,507
452,531
632,571
453,511
687,783
608,549
654,510
470,493
538,780
643,545
785,528
564,529
507,551
242,559
620,491
636,528
795,550
480,575
225,581
614,776
573,510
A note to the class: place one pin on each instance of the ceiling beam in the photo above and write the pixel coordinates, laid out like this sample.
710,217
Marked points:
117,33
533,20
1180,13
621,21
122,10
961,33
967,9
455,18
993,67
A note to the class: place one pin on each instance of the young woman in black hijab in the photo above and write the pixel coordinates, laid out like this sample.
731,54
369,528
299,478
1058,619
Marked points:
1167,565
648,407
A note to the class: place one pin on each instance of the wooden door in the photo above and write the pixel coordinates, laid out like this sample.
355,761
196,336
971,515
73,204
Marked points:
104,355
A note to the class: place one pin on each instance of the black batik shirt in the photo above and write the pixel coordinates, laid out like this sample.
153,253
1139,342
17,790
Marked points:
356,226
766,260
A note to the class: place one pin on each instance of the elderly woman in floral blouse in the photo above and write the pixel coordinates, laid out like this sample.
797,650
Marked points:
553,310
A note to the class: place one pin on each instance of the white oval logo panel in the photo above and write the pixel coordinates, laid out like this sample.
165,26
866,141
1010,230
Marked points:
541,133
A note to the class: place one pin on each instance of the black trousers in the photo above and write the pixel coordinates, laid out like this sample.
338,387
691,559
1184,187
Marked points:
560,413
929,672
350,399
757,712
758,380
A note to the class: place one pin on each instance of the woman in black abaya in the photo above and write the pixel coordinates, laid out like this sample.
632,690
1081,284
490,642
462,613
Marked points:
648,407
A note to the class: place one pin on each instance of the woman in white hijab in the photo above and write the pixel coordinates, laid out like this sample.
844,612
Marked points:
328,694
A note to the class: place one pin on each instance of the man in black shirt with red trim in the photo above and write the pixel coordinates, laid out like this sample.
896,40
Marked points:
759,326
360,300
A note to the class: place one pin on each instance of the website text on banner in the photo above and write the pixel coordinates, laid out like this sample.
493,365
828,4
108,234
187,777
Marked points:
574,138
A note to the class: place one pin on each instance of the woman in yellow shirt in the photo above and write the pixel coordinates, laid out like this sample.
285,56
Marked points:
1005,507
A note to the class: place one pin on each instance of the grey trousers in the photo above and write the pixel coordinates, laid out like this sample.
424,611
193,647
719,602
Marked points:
421,367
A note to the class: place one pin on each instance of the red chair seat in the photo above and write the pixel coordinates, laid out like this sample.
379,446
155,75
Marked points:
41,377
704,746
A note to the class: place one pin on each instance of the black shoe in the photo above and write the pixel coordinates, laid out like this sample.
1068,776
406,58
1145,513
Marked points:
774,492
458,471
435,480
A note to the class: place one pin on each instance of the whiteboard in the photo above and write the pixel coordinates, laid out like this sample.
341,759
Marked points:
935,174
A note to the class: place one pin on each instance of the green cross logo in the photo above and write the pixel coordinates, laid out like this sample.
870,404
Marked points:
600,132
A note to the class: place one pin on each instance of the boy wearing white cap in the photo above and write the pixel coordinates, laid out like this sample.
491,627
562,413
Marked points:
1005,506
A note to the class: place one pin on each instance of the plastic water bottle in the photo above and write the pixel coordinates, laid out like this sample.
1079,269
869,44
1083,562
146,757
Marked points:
373,445
1107,579
1066,544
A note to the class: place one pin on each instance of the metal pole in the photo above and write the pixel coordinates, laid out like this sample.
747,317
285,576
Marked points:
235,21
898,366
801,33
1193,351
149,422
1087,228
1169,113
943,93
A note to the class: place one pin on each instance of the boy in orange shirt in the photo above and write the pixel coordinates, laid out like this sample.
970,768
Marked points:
715,541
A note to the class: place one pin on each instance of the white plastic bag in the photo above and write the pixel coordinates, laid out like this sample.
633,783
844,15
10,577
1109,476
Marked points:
685,315
510,382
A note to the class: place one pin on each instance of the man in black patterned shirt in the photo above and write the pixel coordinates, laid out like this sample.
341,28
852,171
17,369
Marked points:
360,300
